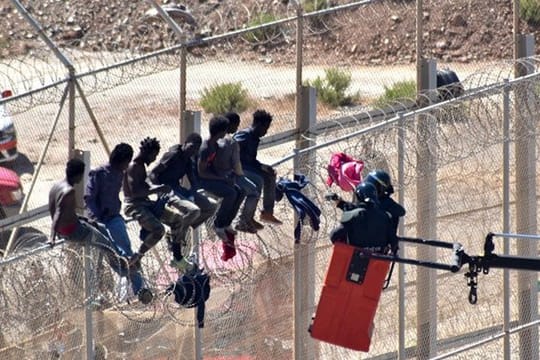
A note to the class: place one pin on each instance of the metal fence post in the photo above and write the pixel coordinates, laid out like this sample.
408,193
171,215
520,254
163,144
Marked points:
191,122
426,213
401,231
304,262
88,276
183,91
526,223
299,60
182,36
506,215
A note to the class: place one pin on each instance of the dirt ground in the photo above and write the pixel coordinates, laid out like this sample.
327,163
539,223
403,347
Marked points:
382,32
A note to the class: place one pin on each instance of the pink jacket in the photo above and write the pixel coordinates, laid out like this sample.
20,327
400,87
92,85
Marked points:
345,171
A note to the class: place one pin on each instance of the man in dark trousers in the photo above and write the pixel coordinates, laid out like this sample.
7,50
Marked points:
248,140
68,225
228,156
173,166
103,205
151,213
218,180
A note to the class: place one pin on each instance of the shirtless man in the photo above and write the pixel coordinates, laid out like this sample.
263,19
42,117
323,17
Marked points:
151,213
66,224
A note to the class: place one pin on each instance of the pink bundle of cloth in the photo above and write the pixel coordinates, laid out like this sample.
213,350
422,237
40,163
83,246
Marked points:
344,171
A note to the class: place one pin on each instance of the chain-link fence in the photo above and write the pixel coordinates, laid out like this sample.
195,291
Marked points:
66,303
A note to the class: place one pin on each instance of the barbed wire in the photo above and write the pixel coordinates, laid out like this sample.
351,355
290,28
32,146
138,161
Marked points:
42,294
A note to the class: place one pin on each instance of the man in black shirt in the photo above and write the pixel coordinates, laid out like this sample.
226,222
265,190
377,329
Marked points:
173,166
151,213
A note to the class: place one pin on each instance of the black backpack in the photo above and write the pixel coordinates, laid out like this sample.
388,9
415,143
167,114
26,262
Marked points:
192,290
448,85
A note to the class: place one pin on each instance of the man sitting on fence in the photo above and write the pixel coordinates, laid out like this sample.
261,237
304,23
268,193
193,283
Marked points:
68,225
220,183
151,213
194,207
103,205
228,161
248,139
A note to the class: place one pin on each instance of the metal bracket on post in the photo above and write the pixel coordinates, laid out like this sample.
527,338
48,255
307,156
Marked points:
309,109
525,47
80,187
191,123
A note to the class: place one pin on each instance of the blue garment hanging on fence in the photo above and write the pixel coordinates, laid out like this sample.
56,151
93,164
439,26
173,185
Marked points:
300,202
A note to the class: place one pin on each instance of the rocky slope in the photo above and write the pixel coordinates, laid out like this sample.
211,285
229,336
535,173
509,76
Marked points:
379,33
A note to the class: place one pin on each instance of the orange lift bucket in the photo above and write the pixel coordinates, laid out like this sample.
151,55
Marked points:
349,298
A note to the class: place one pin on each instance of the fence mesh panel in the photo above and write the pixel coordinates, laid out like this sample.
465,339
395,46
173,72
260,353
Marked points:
131,86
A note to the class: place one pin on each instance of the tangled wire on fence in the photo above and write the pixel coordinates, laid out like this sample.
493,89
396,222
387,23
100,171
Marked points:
51,282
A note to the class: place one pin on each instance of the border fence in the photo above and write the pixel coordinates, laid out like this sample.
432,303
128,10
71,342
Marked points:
462,168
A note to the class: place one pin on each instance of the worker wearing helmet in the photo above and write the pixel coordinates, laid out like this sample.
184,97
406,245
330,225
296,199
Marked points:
381,180
365,225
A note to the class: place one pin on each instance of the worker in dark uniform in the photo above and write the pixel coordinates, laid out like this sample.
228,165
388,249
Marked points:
381,180
365,225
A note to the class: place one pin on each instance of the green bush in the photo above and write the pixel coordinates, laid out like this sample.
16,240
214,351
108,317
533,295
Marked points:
332,90
398,91
226,97
529,10
264,35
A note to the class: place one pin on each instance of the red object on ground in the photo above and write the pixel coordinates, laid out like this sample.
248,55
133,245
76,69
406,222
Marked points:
229,250
349,299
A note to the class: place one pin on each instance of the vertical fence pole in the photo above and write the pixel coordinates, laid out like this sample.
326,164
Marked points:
71,107
299,60
183,91
88,276
191,122
515,34
506,215
183,51
419,43
88,329
298,348
426,214
304,251
401,231
526,209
